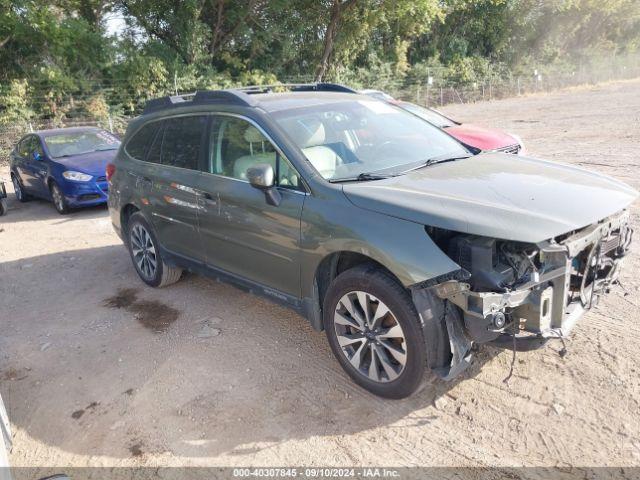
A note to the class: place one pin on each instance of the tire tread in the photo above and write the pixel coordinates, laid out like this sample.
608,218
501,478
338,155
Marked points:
369,277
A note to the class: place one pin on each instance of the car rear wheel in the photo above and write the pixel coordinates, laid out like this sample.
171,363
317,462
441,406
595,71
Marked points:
374,332
58,199
21,195
146,256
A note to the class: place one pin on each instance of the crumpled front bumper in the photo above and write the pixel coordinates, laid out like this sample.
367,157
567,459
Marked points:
551,303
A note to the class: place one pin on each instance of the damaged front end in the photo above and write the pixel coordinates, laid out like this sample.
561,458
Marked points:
518,291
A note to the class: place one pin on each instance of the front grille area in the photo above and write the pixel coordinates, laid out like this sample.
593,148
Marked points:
513,149
610,243
101,179
89,196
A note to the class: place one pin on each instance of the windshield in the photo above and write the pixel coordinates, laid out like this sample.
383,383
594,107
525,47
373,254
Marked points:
429,115
346,139
76,143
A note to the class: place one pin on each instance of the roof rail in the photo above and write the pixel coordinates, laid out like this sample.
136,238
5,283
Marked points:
198,98
238,96
162,103
297,87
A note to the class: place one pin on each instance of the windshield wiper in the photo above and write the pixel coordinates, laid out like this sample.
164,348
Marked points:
437,159
363,177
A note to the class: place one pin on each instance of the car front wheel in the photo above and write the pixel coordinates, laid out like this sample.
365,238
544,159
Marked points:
146,256
58,199
374,332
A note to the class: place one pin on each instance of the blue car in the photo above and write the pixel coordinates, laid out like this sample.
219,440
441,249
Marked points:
64,165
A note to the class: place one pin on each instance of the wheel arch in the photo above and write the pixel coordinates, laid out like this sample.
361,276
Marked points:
125,214
329,268
403,249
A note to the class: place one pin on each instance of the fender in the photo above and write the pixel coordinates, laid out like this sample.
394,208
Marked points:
402,246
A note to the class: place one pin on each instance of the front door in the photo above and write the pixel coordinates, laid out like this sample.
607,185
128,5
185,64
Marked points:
171,175
26,165
243,234
38,168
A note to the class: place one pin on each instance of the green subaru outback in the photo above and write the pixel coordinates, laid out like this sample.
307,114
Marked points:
404,246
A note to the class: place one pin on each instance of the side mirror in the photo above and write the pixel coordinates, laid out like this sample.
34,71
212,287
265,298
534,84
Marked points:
37,156
262,177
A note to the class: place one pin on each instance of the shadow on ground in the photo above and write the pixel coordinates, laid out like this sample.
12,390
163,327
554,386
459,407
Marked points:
38,209
92,377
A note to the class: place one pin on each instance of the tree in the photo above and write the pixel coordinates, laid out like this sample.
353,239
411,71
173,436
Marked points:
337,10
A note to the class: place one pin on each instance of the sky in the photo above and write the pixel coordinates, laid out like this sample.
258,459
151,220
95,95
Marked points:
115,23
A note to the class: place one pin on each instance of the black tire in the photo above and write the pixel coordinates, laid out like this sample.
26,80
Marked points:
18,189
58,198
372,280
3,206
162,274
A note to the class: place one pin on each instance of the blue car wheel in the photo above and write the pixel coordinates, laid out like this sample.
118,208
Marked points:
58,199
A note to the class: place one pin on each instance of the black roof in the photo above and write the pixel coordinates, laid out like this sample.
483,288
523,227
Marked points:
247,96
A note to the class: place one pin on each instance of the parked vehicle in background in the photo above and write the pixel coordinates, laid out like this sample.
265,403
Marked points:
382,230
5,442
471,135
3,199
64,165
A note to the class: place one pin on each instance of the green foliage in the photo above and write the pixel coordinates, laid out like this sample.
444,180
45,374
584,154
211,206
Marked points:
59,60
14,103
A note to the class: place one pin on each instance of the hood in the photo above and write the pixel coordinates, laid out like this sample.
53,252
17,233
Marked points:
480,137
94,163
497,195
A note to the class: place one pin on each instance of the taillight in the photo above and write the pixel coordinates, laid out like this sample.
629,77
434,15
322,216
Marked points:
111,169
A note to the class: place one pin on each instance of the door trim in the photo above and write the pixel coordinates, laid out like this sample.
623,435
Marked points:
244,283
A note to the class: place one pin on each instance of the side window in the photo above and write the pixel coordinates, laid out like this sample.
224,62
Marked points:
37,146
24,147
137,146
287,176
182,141
236,145
153,156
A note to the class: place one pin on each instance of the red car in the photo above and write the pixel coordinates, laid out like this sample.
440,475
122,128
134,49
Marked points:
469,134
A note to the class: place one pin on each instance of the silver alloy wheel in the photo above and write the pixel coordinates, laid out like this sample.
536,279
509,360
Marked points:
144,251
370,336
16,187
57,198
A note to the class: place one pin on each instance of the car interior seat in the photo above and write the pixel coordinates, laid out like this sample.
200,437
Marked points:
261,151
310,135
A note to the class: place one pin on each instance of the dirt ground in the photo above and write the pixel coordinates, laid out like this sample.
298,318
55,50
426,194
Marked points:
98,370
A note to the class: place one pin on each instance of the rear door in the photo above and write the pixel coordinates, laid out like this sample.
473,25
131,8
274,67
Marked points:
171,178
241,233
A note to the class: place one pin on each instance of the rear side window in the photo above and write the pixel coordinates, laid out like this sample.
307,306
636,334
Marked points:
153,156
182,141
137,146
